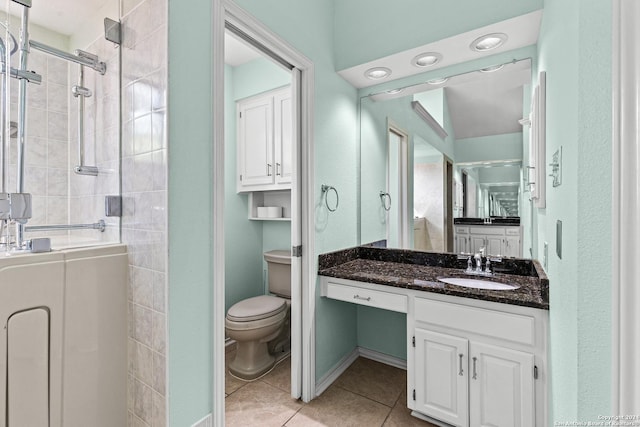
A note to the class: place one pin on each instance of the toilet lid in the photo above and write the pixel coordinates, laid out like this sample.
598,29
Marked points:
256,308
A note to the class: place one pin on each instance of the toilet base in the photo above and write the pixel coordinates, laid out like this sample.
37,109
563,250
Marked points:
252,360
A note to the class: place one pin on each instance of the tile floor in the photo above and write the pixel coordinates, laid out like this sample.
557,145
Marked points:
367,394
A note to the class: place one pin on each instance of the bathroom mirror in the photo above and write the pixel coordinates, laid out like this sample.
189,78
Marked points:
441,150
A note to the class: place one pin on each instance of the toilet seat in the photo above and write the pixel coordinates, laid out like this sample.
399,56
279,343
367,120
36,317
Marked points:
256,308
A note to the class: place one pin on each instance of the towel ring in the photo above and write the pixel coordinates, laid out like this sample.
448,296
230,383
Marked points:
325,190
385,198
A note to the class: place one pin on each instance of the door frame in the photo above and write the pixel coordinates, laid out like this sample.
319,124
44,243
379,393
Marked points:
626,207
402,195
303,296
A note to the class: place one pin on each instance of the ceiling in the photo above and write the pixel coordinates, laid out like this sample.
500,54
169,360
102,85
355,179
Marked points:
522,31
61,16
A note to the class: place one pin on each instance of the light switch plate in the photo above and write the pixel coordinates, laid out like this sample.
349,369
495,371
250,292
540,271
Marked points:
559,238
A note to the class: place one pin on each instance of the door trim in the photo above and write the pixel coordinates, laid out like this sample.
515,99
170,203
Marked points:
303,343
626,206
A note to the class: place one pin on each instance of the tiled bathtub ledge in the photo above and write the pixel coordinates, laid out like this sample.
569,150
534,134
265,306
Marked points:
420,270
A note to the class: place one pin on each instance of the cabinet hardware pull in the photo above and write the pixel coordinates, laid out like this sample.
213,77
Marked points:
461,370
278,169
475,374
268,169
362,298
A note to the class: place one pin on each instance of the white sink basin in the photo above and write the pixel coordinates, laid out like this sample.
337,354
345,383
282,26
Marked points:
477,283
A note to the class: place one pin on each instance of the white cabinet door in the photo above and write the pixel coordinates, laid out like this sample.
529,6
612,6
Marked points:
494,245
512,247
441,377
478,242
255,142
283,136
501,387
461,243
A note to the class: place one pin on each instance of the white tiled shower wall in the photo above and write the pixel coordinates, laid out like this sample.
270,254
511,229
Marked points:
144,191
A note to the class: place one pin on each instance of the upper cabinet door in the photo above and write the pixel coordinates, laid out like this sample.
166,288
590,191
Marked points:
441,377
501,387
255,142
283,136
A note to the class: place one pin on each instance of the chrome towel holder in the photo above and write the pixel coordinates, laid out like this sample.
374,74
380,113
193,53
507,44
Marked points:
325,189
385,199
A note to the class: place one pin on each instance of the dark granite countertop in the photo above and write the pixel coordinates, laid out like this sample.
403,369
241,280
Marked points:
515,221
420,271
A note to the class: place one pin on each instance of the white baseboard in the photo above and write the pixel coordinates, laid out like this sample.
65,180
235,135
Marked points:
339,368
383,358
327,379
205,422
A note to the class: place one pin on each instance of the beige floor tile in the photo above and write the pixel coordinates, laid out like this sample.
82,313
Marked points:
259,404
340,408
375,380
280,376
231,383
400,415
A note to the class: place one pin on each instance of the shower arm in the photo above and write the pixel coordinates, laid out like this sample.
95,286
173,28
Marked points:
81,57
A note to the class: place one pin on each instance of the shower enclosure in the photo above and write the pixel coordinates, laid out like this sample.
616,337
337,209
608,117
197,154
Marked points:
59,136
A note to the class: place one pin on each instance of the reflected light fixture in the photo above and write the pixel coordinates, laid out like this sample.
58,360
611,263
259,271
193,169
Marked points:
394,91
437,81
492,68
377,73
428,118
488,42
428,59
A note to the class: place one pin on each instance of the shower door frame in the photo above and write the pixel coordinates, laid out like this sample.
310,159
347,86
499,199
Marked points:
303,291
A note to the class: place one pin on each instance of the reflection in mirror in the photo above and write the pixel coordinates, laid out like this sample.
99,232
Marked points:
463,161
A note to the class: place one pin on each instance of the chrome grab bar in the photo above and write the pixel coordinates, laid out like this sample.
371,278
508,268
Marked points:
100,225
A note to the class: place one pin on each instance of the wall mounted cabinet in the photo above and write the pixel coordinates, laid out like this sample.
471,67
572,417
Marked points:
265,135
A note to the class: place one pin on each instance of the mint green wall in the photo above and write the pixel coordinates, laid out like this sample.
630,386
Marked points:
433,102
383,331
575,51
369,29
243,238
308,26
257,76
494,147
190,193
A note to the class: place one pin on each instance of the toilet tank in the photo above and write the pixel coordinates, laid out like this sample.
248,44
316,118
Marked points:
279,272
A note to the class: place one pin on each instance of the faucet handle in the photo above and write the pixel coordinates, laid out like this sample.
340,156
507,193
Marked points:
487,268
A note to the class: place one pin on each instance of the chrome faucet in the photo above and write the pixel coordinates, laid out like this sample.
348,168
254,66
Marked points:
478,258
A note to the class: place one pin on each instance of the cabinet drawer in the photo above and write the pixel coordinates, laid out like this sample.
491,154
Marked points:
462,230
512,231
489,230
368,297
507,326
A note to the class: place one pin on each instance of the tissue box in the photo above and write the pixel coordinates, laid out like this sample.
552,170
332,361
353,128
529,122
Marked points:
269,212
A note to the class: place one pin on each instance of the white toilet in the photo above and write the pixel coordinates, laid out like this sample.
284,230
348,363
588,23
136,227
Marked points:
260,324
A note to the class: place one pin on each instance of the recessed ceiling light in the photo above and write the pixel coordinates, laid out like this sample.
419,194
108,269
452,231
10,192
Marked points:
394,91
428,59
491,69
437,81
377,73
488,42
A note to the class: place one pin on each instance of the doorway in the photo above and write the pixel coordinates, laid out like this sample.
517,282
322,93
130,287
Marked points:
228,15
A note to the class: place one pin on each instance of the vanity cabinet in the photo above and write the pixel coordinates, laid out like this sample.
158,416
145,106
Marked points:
264,138
472,366
497,240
